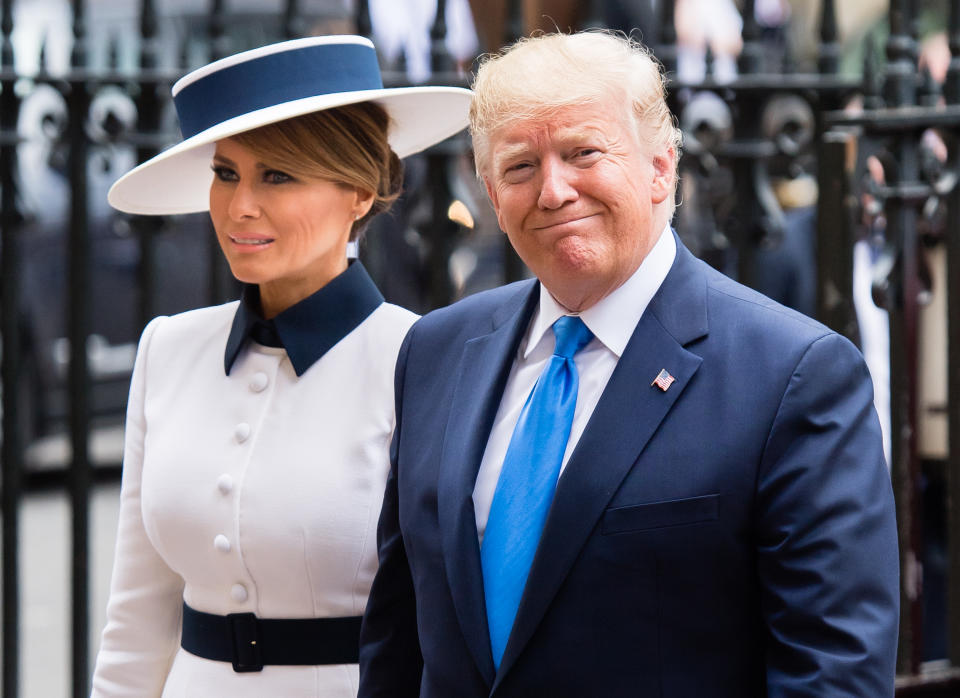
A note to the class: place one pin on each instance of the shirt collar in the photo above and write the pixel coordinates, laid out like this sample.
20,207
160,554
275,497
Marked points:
613,319
310,328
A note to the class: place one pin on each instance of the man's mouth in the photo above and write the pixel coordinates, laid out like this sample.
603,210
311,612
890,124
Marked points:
565,221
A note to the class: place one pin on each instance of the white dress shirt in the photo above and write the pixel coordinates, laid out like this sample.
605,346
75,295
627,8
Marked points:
612,321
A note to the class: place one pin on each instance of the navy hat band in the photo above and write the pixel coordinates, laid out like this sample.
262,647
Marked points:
275,78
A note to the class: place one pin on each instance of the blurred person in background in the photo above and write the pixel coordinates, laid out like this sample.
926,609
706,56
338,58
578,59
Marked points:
491,18
702,25
257,432
403,30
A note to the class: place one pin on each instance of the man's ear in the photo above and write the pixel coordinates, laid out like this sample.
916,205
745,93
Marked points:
664,175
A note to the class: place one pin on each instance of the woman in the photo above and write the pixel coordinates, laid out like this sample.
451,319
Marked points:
257,432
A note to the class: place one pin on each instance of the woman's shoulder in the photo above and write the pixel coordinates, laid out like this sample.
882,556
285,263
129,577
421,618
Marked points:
380,335
397,313
191,325
390,317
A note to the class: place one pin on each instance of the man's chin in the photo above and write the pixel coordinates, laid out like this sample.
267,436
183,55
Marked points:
575,289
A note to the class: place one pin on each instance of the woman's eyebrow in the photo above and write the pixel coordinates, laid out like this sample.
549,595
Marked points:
220,159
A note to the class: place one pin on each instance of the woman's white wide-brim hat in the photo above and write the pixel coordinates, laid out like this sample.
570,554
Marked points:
270,84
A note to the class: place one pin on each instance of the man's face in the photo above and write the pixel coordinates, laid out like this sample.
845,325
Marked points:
578,197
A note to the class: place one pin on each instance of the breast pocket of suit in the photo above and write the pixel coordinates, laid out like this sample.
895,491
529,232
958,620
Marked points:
663,514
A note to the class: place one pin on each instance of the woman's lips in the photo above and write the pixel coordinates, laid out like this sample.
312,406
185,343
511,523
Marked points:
250,242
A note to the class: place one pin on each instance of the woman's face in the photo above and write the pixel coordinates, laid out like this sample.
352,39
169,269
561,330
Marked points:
286,233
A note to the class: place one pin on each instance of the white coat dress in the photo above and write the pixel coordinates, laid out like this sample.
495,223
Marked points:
257,491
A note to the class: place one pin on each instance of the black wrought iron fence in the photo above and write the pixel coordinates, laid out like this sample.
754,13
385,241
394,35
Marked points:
883,151
77,282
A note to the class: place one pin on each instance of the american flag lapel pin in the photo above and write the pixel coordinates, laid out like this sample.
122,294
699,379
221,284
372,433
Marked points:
663,380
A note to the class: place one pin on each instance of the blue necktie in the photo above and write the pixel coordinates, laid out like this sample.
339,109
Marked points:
528,481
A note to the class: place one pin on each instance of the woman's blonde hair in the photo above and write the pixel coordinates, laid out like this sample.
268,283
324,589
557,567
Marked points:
543,73
346,145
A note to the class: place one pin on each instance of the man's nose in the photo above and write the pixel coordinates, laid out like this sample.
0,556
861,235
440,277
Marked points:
557,186
243,202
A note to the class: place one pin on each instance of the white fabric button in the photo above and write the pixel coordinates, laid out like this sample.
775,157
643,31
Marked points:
238,593
258,382
221,543
242,432
225,484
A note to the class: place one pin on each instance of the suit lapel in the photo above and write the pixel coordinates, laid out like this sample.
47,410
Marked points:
626,417
484,368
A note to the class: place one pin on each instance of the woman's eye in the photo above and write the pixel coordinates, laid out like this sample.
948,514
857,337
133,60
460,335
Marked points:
276,177
224,174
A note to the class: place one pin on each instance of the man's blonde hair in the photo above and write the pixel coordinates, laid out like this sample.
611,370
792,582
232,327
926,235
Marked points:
540,74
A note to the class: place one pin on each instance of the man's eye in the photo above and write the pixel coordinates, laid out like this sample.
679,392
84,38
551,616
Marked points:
517,173
518,170
224,174
587,152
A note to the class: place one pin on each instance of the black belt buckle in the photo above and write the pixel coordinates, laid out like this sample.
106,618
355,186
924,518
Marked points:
246,642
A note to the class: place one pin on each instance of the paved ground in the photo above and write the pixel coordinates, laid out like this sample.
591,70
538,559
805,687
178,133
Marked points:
45,560
45,586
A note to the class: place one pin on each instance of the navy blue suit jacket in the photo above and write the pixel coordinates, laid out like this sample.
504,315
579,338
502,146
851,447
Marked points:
731,536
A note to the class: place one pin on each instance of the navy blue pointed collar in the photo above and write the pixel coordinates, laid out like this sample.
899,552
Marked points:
310,328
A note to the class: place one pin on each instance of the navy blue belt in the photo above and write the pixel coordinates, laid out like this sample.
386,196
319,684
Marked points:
250,643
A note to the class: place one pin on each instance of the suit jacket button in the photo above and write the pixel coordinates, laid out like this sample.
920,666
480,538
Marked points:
221,543
225,484
238,593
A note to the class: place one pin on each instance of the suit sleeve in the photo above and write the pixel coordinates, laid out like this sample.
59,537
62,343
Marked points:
826,534
390,660
141,635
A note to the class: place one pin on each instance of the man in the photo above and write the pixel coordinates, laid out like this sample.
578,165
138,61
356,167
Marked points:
678,489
